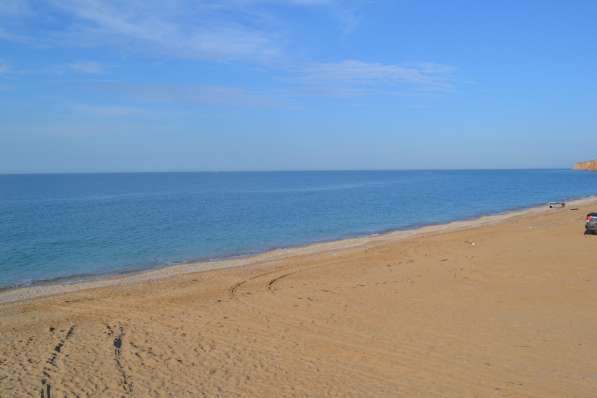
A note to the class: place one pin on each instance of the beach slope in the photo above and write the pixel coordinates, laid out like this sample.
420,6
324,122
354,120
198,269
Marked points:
491,310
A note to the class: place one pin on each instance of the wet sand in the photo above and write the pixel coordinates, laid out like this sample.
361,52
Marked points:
495,307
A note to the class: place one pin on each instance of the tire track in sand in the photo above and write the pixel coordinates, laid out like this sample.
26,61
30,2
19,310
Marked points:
270,284
233,290
52,363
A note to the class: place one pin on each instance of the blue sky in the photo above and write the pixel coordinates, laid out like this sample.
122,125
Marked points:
90,85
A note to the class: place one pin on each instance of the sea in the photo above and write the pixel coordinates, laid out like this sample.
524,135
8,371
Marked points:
65,226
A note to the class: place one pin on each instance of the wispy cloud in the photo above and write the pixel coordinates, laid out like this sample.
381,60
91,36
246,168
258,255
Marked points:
87,67
354,70
249,31
246,30
354,77
201,29
343,79
3,67
156,26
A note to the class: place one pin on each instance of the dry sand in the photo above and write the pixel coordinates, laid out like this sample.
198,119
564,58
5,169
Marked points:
498,307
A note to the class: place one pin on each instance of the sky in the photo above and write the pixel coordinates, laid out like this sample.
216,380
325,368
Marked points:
193,85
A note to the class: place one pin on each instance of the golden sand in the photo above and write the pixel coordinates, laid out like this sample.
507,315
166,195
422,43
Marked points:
498,307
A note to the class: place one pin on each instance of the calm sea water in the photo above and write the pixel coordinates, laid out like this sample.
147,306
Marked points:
54,226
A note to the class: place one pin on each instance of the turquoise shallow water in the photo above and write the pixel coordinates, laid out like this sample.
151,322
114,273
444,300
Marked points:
55,226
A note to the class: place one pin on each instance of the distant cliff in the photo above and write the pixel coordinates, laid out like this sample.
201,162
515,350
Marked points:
588,165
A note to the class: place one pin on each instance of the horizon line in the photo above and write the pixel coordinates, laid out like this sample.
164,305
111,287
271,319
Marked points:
275,171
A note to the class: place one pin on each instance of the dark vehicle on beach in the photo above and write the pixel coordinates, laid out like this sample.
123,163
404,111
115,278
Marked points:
591,224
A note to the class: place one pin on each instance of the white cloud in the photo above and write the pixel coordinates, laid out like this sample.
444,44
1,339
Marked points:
229,30
193,29
3,67
246,30
353,77
354,70
86,67
343,79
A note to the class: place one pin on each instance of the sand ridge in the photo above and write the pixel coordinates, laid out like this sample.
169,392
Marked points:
505,307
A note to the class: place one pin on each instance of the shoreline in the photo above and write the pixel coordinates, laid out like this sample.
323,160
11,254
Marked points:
503,305
72,284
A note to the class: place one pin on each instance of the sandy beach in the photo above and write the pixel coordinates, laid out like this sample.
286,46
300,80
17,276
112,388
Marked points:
501,306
